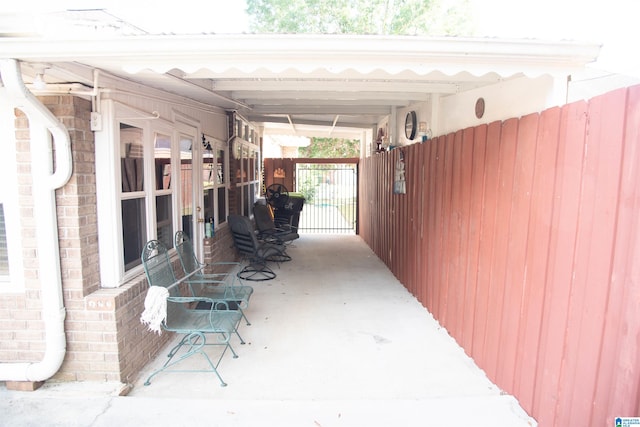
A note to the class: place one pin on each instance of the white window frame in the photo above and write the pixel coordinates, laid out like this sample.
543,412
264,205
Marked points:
175,177
9,198
218,145
109,186
245,150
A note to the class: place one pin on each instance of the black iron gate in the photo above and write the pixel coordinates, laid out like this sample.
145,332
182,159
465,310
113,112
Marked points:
331,197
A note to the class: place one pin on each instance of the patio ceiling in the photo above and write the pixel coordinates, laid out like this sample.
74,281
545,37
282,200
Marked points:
300,82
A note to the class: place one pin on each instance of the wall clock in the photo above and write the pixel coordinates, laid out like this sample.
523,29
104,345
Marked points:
480,108
410,125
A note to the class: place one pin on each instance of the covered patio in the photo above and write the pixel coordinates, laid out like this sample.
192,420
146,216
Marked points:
337,340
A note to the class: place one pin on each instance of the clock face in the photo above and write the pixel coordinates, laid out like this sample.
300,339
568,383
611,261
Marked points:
480,108
410,125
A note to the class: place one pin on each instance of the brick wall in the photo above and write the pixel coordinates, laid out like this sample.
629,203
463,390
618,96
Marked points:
21,326
105,339
220,248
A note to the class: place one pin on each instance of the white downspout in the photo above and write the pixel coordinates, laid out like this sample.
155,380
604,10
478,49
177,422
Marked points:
42,124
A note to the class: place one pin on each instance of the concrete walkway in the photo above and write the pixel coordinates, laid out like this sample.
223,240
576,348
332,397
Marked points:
335,340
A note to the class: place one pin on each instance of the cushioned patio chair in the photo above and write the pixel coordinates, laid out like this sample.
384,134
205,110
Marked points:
179,316
255,252
267,230
216,285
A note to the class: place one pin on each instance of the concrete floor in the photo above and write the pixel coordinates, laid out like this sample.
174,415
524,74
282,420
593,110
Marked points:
335,340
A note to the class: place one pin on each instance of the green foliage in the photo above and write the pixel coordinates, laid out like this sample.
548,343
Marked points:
331,148
384,17
308,190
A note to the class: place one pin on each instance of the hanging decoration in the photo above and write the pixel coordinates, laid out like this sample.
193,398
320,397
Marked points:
380,141
399,183
279,173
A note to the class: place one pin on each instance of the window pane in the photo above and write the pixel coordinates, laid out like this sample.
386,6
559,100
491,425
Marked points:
256,164
4,253
222,205
209,182
162,156
246,210
222,173
132,154
186,183
246,170
134,233
209,206
251,170
163,222
239,200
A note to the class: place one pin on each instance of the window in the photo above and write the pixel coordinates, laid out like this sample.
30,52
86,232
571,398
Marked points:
10,250
247,158
163,189
134,189
4,251
153,178
214,178
11,277
186,183
222,185
133,197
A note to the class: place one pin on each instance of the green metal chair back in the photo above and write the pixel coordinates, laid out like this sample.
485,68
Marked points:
157,266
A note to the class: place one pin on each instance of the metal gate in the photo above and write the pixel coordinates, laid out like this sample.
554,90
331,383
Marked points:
330,192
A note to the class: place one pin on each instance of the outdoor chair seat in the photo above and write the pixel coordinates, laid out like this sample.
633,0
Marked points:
181,318
220,285
267,230
185,321
257,253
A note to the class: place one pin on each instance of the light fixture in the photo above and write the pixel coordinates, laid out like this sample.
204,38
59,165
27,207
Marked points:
38,82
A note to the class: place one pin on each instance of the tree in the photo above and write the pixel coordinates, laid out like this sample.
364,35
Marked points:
331,148
383,17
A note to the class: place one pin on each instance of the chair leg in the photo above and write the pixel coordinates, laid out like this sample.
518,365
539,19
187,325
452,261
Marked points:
196,342
244,316
283,257
256,272
240,337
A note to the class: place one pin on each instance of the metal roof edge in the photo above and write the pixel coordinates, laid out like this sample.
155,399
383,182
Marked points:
163,52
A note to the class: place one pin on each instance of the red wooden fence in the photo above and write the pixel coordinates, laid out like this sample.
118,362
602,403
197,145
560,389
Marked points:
522,238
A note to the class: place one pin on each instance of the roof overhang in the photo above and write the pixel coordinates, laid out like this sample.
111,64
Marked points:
329,80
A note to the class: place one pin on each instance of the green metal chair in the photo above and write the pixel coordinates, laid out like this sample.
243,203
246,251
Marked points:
181,318
222,286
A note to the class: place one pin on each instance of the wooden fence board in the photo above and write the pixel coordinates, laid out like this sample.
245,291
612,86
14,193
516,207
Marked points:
561,262
487,235
466,181
537,256
499,251
475,227
625,280
515,253
454,284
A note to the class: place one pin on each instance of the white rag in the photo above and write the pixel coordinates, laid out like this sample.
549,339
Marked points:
155,308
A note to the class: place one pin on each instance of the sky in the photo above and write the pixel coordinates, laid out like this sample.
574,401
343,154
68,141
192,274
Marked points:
612,23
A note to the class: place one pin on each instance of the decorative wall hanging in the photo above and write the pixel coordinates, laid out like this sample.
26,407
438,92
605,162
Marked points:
399,183
279,173
380,141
